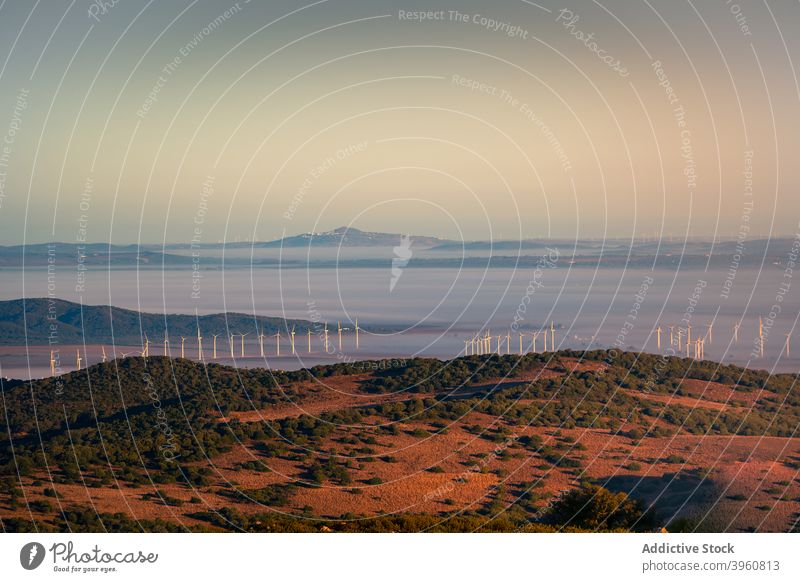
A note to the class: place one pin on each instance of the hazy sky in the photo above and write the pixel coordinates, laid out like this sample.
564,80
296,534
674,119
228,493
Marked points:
150,121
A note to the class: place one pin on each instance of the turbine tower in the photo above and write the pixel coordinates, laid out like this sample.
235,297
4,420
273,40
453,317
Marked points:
508,343
671,327
339,331
166,346
788,345
261,337
244,335
535,335
308,332
105,357
292,340
357,328
736,332
199,345
278,343
326,337
52,363
552,336
658,336
183,342
215,345
230,342
78,359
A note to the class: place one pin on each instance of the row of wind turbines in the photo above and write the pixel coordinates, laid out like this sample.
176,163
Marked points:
680,340
231,345
482,342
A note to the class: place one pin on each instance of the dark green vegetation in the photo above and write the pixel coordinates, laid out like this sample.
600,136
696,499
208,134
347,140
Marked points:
29,321
149,424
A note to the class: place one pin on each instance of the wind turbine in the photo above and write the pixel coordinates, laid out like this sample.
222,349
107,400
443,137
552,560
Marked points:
520,345
711,332
244,335
326,337
552,336
230,342
52,363
788,346
292,340
508,343
658,336
261,337
308,333
183,341
357,328
761,335
199,345
166,346
215,345
671,343
680,336
688,333
535,335
466,347
340,335
736,332
278,343
105,357
545,339
78,359
146,350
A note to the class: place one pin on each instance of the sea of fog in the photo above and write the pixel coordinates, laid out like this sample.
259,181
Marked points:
432,311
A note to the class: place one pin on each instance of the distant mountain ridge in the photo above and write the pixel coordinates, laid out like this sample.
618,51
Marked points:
350,237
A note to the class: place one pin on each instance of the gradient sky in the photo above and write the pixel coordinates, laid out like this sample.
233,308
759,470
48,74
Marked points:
235,144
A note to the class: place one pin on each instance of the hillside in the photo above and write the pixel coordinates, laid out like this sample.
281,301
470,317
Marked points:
488,443
29,321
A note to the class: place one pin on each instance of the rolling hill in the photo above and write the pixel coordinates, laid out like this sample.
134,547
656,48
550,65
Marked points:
482,443
30,320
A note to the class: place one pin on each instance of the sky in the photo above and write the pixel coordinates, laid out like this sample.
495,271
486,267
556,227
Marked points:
136,121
